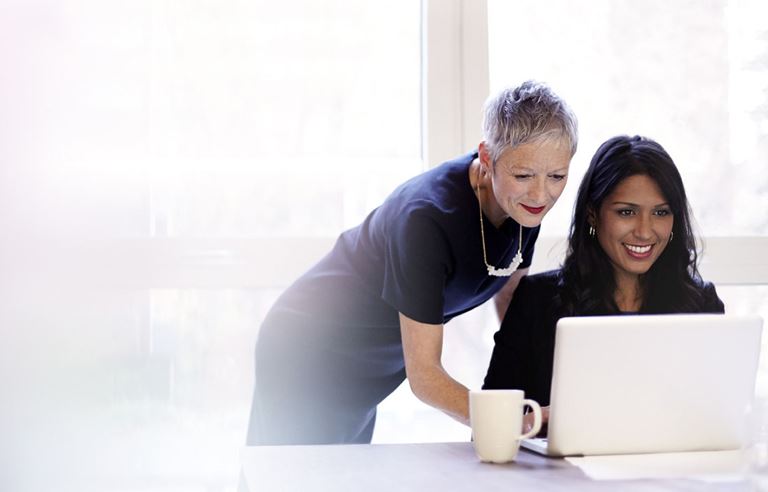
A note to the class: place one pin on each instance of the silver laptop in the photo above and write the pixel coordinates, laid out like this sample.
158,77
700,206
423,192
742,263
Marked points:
649,384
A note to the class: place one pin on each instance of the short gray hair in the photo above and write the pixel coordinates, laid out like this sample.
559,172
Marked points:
526,113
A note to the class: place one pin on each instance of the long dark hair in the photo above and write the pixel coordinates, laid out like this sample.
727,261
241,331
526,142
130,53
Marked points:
670,285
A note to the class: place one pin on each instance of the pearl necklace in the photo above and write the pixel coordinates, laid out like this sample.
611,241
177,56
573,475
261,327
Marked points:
516,261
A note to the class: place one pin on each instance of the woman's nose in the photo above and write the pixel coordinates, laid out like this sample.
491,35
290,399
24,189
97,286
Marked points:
538,192
643,229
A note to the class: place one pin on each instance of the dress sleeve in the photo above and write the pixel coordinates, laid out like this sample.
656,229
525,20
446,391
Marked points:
513,362
416,264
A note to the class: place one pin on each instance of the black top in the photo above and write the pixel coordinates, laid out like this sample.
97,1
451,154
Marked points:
419,253
524,351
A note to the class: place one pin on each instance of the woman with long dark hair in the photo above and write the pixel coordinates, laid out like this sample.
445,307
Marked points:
631,250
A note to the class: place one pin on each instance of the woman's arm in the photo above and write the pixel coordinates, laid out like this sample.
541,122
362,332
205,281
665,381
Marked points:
521,345
516,361
422,349
502,298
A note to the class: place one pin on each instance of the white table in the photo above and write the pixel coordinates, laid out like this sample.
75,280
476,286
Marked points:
433,466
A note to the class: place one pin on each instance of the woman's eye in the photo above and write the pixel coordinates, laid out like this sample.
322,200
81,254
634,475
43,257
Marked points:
663,212
523,176
557,177
626,212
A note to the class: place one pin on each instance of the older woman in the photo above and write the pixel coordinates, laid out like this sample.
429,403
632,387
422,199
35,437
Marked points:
347,332
631,250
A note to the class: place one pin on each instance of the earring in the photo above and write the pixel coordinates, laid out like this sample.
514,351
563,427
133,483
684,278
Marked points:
671,235
591,231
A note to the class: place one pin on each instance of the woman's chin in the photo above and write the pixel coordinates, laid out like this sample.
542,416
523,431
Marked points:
528,220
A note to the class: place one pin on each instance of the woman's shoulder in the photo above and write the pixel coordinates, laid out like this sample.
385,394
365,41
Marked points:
543,283
442,193
710,301
536,300
703,286
447,178
550,277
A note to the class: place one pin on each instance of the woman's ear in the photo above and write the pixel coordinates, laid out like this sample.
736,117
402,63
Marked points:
484,157
591,222
591,217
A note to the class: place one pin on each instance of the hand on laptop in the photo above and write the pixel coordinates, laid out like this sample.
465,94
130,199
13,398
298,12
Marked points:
528,419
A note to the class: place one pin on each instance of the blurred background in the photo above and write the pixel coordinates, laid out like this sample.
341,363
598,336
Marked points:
167,167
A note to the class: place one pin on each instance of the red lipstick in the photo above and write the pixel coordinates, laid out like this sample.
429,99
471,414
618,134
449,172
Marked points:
533,210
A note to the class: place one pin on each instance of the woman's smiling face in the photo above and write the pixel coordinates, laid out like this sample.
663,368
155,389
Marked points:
634,225
528,179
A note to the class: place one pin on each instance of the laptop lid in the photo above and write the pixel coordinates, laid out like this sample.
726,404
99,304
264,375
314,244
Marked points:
652,383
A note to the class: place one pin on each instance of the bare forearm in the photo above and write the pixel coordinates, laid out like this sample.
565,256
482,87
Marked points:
422,351
435,387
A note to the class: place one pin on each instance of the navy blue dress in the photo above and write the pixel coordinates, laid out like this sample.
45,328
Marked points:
329,350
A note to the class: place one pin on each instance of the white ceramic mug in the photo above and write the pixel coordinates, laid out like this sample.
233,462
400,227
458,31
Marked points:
497,423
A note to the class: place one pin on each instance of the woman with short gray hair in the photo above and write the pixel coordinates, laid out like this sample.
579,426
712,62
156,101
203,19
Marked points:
371,313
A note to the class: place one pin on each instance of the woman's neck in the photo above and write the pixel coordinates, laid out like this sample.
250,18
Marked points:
482,186
628,295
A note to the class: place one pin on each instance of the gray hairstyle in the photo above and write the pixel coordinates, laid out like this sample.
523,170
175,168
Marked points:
526,113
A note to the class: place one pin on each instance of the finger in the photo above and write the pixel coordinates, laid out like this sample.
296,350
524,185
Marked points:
527,423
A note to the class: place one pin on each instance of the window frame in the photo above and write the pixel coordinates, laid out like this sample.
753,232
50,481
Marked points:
455,83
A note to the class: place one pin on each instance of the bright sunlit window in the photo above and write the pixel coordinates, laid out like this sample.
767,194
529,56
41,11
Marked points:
155,136
691,75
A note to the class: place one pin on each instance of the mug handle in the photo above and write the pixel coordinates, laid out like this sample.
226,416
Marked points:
536,419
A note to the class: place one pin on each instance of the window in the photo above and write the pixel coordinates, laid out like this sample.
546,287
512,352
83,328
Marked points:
174,166
691,75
